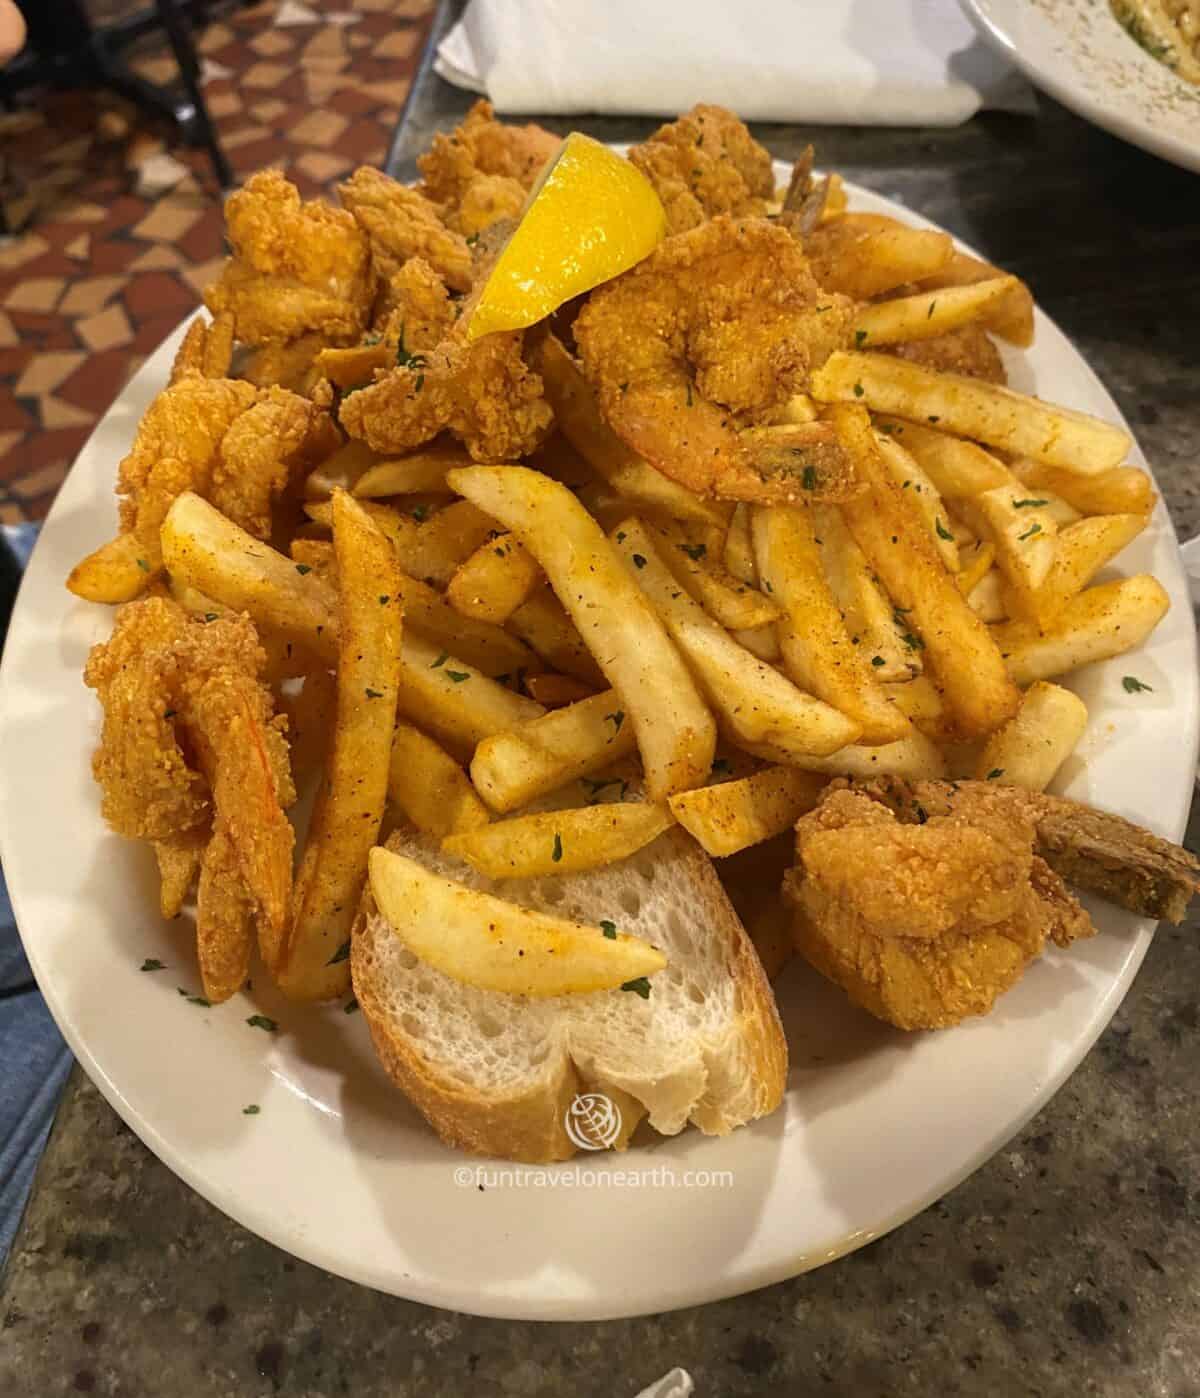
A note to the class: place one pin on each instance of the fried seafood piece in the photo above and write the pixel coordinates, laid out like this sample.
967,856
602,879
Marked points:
953,911
968,350
484,167
207,349
1092,849
484,393
191,756
296,267
400,223
703,343
278,438
290,364
706,163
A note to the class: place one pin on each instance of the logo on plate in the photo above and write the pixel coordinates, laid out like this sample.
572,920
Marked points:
593,1121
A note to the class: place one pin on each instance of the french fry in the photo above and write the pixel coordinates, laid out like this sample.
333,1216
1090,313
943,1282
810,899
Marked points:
755,702
212,554
484,645
760,641
959,469
979,560
457,703
556,691
422,470
863,255
311,715
487,942
1083,549
543,624
835,200
517,765
560,842
919,701
869,615
972,408
1026,542
493,582
925,496
674,729
579,420
928,313
734,604
339,471
349,809
316,555
886,526
739,546
1095,624
799,408
1010,317
1125,490
115,572
1036,741
915,757
352,366
731,816
818,652
432,790
432,550
987,599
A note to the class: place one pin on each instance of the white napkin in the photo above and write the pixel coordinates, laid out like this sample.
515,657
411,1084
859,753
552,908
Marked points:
864,62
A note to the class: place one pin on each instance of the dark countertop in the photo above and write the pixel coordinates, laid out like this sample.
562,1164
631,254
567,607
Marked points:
1066,1265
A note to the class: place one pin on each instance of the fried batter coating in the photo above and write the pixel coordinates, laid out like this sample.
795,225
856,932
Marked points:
289,363
950,913
487,201
207,349
401,223
706,163
968,350
296,267
265,449
710,336
481,149
189,745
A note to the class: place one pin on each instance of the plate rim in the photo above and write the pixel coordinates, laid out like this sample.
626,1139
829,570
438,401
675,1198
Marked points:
1117,120
671,1293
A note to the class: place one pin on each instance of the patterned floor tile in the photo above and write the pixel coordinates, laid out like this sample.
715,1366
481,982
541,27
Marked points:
127,230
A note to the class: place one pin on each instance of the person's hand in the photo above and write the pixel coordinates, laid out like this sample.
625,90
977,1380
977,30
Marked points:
12,31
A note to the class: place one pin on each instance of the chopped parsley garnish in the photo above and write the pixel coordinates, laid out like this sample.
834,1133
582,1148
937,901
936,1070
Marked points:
373,693
152,963
457,676
556,855
143,565
641,987
420,513
858,390
303,568
694,551
210,616
721,766
262,1022
808,478
342,954
638,561
994,773
929,312
609,929
1130,684
1025,504
689,393
252,1110
1029,533
877,661
440,661
620,536
384,599
194,999
350,1006
942,531
170,713
911,641
933,417
922,814
859,337
407,360
617,719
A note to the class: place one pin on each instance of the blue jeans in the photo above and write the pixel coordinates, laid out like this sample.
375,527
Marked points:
34,1061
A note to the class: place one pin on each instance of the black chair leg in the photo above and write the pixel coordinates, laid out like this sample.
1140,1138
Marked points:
198,120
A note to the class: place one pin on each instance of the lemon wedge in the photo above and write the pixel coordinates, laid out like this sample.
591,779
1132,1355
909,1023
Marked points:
591,216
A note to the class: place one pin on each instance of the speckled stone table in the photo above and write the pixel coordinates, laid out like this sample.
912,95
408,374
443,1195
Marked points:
1066,1265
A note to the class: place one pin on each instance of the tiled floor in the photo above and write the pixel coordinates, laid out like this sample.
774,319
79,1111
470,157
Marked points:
127,230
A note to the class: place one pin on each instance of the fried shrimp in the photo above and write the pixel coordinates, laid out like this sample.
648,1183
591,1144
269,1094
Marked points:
401,223
481,171
706,163
958,907
296,267
192,759
695,352
207,349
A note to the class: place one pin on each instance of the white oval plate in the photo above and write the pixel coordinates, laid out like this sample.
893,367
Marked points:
1079,53
339,1170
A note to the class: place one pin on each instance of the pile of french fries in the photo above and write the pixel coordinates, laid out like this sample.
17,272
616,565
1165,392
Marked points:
581,633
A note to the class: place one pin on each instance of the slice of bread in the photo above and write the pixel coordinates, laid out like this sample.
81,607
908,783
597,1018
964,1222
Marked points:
496,1074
